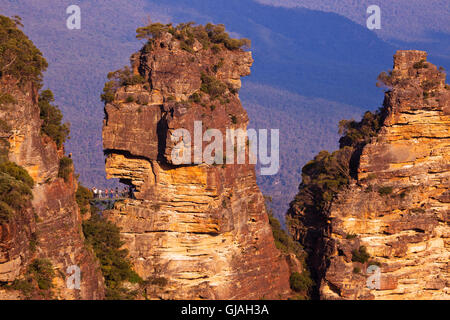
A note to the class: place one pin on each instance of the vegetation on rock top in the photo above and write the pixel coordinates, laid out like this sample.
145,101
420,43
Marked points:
19,58
52,117
209,35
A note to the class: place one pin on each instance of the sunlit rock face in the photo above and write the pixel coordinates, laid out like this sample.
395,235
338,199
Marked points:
202,227
52,220
398,208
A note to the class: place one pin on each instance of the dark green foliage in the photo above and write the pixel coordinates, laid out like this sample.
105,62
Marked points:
195,97
361,255
118,78
217,34
209,35
351,236
42,271
104,237
26,287
52,118
218,65
385,79
283,241
300,282
323,177
5,212
65,168
6,98
384,191
421,64
33,242
17,172
19,57
356,133
15,190
83,196
212,86
356,270
158,281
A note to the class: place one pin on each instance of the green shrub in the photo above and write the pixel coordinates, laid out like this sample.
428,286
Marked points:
218,65
6,98
159,281
15,190
356,270
384,191
104,237
300,282
83,196
6,212
421,64
42,271
351,236
209,35
26,287
385,79
196,97
65,168
283,241
361,255
212,86
52,117
19,57
17,172
33,242
215,49
118,78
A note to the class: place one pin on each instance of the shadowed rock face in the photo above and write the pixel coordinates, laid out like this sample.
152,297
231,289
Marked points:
202,227
52,216
399,206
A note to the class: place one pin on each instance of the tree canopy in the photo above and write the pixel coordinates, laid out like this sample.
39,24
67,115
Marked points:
19,57
52,125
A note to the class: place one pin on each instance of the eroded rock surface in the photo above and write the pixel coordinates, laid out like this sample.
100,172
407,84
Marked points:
204,228
51,222
398,208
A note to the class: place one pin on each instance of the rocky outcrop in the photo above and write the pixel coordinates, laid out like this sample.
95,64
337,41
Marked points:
50,226
202,227
398,208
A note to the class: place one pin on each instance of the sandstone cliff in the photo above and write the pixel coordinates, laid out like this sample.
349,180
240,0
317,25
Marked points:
40,223
395,214
201,227
50,227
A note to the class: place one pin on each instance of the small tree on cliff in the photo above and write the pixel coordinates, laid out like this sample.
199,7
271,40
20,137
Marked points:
19,57
52,117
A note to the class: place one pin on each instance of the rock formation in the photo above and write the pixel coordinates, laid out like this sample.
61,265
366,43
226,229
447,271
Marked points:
53,219
201,227
395,215
41,241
